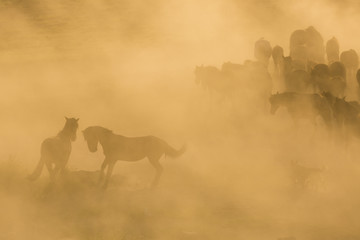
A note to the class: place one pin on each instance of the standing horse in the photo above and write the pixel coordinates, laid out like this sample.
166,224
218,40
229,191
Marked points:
56,150
117,147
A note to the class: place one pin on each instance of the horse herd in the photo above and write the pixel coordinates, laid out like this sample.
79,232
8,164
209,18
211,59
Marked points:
314,79
55,151
312,89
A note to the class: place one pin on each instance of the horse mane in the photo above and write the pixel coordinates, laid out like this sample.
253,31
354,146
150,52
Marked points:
97,129
68,127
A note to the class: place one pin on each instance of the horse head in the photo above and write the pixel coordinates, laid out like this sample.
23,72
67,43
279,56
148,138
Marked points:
91,138
71,126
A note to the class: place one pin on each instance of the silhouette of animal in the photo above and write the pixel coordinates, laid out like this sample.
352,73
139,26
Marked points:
299,56
297,38
300,105
263,51
288,65
231,67
233,71
278,58
337,69
214,80
315,45
329,79
336,86
117,147
297,81
346,114
320,76
332,50
307,45
55,151
350,59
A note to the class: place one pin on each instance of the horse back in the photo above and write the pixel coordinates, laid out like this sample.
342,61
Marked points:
135,148
55,147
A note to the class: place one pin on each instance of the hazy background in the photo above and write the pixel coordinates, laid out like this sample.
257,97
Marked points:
128,65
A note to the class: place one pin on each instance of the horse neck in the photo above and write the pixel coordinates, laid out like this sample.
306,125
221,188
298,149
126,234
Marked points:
103,136
65,133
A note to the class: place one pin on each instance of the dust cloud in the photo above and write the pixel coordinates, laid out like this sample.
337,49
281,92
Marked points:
129,65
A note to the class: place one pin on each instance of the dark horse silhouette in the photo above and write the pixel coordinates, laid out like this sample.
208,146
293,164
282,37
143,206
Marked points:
117,147
56,150
346,114
301,105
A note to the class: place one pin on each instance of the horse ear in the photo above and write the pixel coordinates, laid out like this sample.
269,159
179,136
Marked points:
66,118
77,119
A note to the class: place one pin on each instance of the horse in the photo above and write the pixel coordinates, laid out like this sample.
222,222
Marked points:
346,113
315,45
332,50
301,105
351,61
297,81
278,59
131,149
55,151
215,81
337,69
320,76
263,51
307,45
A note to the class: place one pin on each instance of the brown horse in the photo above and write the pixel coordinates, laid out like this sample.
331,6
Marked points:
117,147
56,150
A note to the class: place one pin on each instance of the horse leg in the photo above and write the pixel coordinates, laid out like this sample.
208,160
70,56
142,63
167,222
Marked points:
102,169
159,169
56,171
64,163
50,169
108,174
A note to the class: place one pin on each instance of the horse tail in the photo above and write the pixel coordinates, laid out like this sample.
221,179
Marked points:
37,172
172,152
